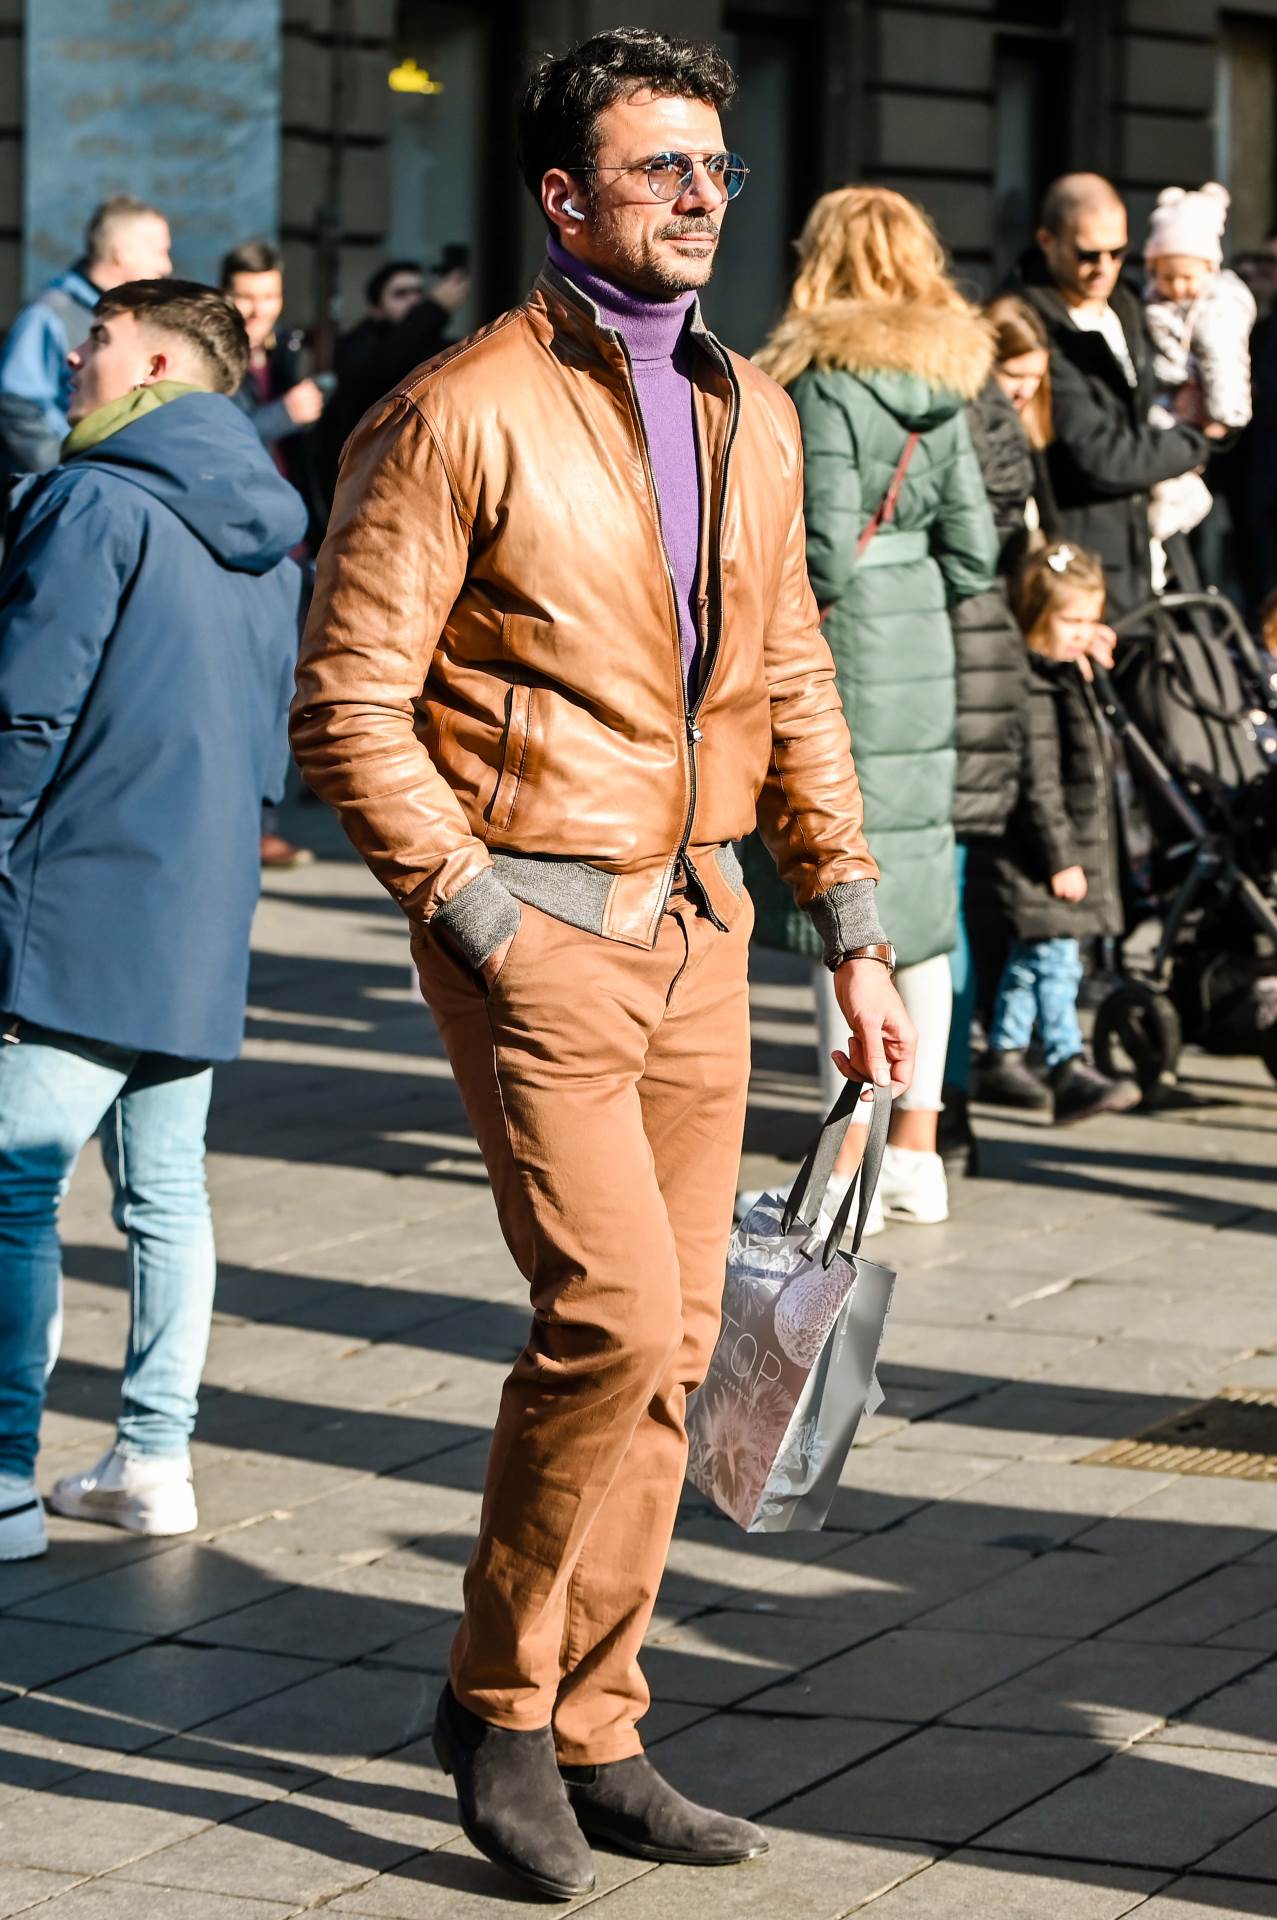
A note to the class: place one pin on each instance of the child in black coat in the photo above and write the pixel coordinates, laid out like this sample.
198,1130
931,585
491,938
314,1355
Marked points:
1056,873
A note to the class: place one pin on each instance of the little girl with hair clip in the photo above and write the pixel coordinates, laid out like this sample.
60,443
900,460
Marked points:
1055,877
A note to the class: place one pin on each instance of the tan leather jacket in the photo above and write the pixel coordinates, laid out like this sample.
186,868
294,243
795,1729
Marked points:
490,689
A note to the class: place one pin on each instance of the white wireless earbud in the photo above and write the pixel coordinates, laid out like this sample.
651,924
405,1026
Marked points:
573,213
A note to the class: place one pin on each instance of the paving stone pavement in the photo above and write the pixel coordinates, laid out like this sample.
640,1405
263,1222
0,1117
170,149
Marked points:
1001,1681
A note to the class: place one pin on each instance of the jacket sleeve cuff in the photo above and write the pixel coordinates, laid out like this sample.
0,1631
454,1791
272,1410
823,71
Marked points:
845,917
1060,855
478,918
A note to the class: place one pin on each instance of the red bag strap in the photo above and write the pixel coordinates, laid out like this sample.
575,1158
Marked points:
887,507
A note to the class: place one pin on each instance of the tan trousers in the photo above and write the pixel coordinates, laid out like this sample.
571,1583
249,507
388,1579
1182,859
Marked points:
606,1086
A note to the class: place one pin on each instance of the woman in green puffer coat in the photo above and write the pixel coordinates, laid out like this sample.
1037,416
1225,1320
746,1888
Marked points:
880,354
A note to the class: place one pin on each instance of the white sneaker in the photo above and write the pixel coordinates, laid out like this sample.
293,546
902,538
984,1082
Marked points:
130,1490
914,1187
834,1196
22,1534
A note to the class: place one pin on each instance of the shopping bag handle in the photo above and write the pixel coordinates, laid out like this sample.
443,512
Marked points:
807,1194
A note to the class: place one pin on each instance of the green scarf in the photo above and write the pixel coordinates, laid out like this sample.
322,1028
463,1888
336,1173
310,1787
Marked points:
106,420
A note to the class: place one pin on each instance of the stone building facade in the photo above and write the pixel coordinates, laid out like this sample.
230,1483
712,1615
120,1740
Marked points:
393,123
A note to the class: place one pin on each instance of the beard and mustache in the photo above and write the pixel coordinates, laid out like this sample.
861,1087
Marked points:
647,270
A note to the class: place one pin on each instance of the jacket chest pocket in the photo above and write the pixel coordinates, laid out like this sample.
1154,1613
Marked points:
514,749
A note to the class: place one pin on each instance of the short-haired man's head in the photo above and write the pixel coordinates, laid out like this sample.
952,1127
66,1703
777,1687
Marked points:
1077,193
210,329
1084,236
126,239
253,256
400,279
252,278
565,94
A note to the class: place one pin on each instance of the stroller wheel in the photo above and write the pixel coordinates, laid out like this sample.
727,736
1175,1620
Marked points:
1137,1037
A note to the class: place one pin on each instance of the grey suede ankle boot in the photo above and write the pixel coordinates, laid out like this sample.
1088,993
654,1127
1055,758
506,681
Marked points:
513,1804
628,1805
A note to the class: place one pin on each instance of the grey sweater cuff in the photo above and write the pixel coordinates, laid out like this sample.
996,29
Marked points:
478,918
845,917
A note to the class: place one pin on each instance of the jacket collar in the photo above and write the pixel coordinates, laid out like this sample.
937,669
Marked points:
75,281
1032,280
573,312
107,419
949,348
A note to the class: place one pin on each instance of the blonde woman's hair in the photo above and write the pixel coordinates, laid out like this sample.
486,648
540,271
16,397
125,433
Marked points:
1046,577
868,243
1017,330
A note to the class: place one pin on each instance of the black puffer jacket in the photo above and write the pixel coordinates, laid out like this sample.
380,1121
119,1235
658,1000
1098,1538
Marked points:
1105,456
991,662
370,361
1066,817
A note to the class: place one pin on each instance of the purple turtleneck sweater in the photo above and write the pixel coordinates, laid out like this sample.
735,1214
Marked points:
655,336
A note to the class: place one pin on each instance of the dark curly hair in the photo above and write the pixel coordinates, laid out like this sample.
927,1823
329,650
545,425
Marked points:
560,105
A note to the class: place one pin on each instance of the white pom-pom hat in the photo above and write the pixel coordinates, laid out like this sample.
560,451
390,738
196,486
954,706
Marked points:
1189,224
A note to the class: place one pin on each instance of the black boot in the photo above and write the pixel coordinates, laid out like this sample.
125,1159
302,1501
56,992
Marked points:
1007,1080
955,1139
627,1804
513,1804
1081,1090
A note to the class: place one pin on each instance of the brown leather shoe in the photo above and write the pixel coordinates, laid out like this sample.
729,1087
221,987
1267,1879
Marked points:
628,1805
278,852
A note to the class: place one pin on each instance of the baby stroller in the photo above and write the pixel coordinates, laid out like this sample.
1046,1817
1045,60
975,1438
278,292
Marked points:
1191,708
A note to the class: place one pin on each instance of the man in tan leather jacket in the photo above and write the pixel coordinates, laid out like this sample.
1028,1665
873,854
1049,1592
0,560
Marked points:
545,695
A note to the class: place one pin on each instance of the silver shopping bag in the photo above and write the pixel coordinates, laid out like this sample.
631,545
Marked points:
793,1372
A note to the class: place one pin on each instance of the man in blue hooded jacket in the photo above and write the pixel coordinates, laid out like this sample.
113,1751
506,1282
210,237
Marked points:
148,630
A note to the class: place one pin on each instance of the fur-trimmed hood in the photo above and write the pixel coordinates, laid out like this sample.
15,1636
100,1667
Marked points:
944,349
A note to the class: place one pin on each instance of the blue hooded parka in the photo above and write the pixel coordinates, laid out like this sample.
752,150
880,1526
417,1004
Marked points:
148,635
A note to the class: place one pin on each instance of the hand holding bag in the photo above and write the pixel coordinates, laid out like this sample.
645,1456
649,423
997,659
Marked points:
793,1372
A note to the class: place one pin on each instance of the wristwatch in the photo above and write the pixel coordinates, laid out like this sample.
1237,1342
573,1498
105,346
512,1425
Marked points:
883,951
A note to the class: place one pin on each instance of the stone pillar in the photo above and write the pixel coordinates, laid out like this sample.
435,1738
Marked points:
175,101
10,156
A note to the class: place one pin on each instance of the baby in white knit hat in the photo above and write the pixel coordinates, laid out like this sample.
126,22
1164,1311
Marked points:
1200,316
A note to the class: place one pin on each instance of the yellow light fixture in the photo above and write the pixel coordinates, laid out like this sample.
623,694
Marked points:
408,77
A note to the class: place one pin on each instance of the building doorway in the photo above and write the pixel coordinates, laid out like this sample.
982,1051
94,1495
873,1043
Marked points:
437,105
1245,144
1033,89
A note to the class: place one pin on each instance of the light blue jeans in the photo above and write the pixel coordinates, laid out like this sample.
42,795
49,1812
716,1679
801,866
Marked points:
150,1113
1039,987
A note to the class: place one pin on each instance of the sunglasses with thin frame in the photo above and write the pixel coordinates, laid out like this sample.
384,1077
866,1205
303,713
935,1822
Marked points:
1091,256
669,175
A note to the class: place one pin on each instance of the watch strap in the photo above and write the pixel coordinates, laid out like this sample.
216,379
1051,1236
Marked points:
881,950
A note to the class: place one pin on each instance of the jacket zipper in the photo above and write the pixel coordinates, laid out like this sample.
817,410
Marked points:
1102,764
714,642
692,735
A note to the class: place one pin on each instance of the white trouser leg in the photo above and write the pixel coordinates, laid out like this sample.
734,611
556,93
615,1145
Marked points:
927,991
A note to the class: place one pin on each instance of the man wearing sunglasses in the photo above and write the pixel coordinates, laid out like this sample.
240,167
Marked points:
562,654
1105,456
